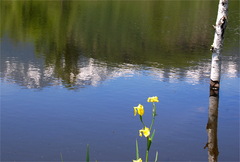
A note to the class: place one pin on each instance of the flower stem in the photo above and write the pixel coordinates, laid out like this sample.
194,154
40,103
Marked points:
141,120
153,114
147,156
153,119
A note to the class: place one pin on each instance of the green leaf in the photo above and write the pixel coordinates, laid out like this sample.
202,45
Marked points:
61,157
87,155
149,142
150,139
137,151
156,157
147,156
153,134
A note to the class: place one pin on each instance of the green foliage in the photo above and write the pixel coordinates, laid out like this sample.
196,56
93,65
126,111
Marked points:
137,150
61,157
129,32
87,154
156,157
168,33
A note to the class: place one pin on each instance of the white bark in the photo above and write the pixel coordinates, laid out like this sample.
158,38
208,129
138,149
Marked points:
221,23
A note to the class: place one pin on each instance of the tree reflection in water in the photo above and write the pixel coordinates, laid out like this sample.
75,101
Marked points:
212,125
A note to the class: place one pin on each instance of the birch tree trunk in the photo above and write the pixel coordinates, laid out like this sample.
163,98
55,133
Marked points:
217,45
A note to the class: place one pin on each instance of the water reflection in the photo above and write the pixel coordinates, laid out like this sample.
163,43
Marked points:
84,43
90,71
79,44
20,65
212,126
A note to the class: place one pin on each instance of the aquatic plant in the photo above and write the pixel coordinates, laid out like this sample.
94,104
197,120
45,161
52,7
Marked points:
145,131
87,155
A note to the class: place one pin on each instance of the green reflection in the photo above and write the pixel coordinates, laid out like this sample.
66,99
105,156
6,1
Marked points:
166,33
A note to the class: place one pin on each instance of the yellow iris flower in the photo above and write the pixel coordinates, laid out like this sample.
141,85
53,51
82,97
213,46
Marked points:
153,99
139,110
145,131
138,160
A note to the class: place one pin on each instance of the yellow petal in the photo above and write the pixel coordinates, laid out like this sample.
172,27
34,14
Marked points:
146,132
141,111
140,106
153,99
135,111
149,99
140,132
138,160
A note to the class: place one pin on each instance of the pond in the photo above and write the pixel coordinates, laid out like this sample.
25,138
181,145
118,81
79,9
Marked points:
72,71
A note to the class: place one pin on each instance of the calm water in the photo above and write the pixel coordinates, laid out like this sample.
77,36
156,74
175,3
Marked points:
71,72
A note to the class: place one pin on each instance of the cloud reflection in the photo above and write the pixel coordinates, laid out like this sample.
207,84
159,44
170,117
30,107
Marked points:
91,72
